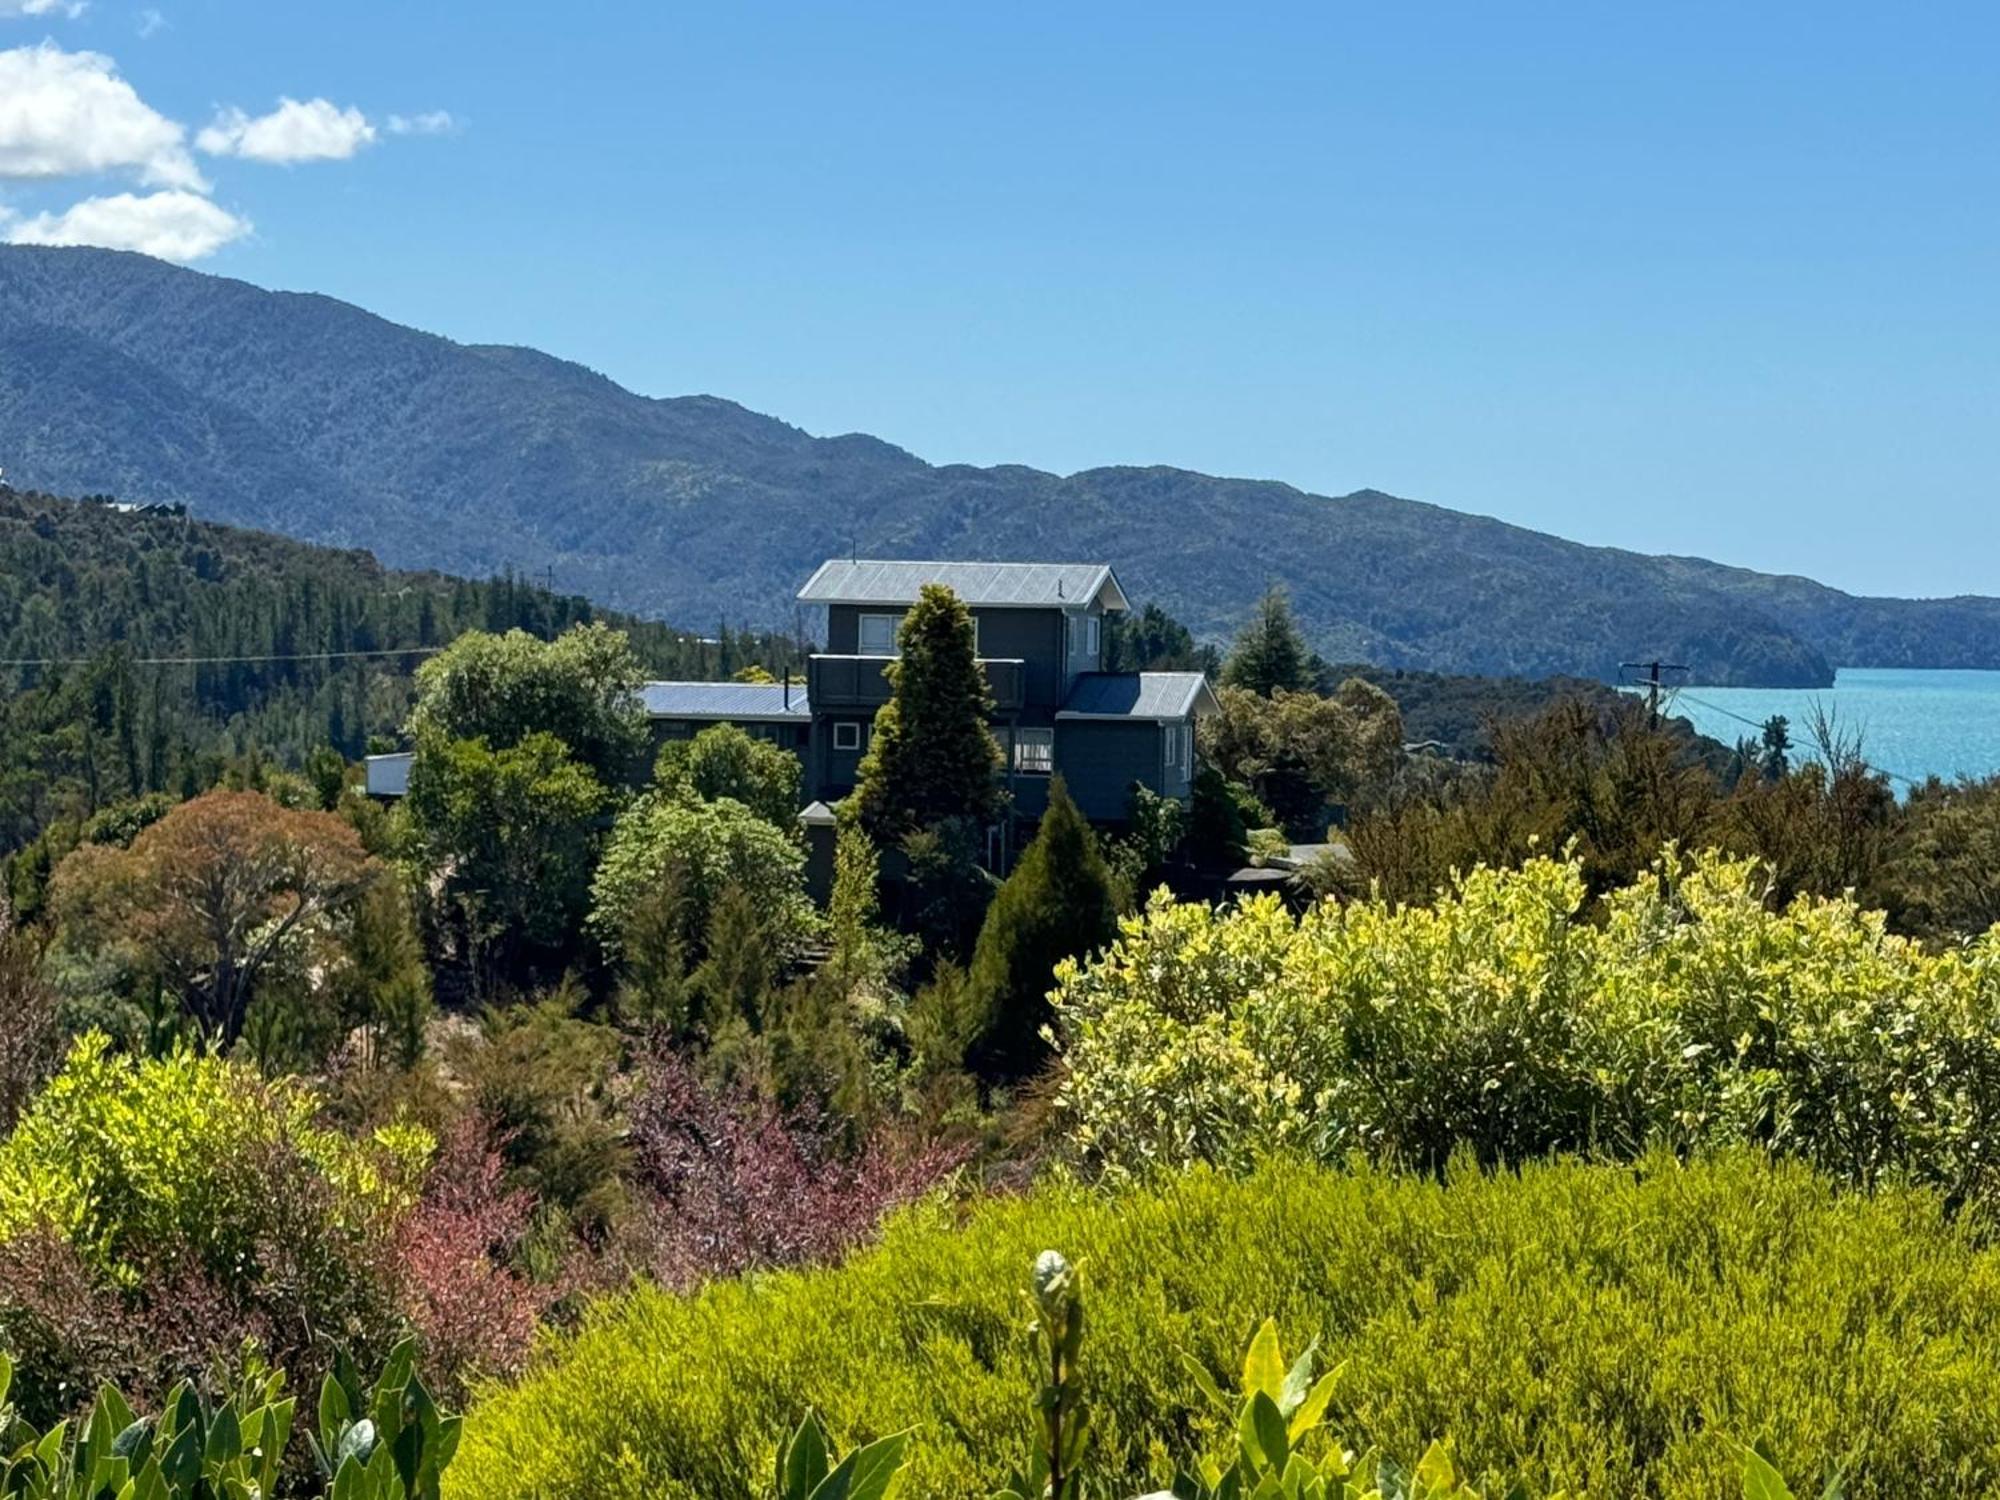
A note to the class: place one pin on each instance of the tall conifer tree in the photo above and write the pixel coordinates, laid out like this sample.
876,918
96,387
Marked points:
1057,904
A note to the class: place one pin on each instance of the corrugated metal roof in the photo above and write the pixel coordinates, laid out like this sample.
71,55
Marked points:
743,702
1137,695
991,584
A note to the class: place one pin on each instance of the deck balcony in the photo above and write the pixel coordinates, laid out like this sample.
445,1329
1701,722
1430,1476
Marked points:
837,684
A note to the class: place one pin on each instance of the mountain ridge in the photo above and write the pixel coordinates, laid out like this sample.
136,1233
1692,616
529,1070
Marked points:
300,413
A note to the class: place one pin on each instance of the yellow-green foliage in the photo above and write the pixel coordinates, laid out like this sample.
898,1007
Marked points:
128,1159
1691,1015
1612,1331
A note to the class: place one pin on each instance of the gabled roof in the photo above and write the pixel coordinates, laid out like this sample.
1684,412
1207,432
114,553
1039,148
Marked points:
990,585
1138,695
736,702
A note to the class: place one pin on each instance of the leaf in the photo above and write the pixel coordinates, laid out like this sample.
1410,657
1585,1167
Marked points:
1312,1410
334,1415
1268,1428
1435,1470
1761,1479
225,1436
1264,1365
802,1463
876,1467
836,1485
1206,1382
1298,1380
357,1442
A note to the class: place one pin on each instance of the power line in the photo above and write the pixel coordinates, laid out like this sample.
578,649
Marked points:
207,661
1717,708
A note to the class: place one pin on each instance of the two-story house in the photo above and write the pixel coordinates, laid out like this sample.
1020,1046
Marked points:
1040,631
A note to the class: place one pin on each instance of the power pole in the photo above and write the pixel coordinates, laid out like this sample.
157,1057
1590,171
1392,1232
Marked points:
1651,682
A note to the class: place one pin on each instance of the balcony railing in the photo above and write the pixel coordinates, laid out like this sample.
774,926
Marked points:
858,682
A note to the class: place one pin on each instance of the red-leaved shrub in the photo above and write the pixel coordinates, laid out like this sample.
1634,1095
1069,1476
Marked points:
729,1183
474,1309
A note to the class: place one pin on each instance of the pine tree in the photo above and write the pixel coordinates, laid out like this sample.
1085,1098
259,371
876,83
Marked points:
1057,904
1271,653
933,758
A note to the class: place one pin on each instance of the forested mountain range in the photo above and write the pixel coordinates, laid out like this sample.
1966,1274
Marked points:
300,414
92,597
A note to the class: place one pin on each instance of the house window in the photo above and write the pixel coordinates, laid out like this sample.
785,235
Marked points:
1035,751
1177,746
847,736
1090,625
878,635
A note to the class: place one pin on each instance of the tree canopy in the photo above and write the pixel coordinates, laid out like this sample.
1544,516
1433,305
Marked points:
1271,655
725,761
217,894
581,687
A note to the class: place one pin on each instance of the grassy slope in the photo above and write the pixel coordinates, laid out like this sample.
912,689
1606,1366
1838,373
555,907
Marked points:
1584,1326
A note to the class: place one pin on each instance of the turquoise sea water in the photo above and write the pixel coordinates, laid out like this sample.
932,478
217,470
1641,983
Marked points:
1913,724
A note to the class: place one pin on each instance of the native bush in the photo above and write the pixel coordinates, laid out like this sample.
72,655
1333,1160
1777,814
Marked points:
731,1182
153,1214
1597,1329
1690,1015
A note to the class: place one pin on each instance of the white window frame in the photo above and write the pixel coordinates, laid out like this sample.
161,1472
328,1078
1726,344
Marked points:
1180,746
862,622
846,735
1092,636
1041,740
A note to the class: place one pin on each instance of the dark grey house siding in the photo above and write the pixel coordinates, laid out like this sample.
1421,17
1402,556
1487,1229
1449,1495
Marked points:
1034,636
1100,759
833,771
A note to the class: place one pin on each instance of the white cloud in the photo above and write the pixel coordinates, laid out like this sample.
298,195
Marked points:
313,130
70,8
150,23
174,225
64,114
430,122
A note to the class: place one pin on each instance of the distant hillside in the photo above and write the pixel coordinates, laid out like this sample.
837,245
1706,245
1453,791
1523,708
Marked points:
91,597
297,413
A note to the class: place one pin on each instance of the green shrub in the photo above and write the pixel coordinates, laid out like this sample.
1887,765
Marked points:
155,1214
134,1160
1690,1015
1607,1331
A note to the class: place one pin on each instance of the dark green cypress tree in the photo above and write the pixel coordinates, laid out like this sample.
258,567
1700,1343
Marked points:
1057,904
933,758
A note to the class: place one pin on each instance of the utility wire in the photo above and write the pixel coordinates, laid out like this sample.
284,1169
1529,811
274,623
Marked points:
1717,708
206,661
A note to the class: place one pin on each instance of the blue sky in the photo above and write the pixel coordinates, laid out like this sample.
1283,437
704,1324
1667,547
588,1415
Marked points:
1698,278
